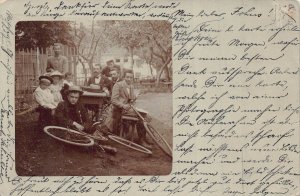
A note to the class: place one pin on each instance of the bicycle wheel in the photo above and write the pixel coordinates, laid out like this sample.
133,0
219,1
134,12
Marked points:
158,139
129,144
68,136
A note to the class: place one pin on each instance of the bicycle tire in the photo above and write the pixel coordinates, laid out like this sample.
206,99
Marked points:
129,144
158,139
63,133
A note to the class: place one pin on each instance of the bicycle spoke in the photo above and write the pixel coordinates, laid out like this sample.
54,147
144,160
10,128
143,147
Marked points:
68,136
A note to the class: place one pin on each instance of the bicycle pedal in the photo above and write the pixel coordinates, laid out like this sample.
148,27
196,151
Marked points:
110,150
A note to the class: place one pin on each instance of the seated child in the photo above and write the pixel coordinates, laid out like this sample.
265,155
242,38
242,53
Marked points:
68,79
66,84
45,99
56,86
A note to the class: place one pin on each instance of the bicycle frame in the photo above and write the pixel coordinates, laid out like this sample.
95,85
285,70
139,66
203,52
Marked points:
146,124
139,115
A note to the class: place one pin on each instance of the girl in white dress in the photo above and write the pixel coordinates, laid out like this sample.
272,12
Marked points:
56,86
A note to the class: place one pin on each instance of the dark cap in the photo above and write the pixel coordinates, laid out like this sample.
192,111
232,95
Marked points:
46,78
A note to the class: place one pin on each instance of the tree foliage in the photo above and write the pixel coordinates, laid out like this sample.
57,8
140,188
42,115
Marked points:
88,41
31,34
150,40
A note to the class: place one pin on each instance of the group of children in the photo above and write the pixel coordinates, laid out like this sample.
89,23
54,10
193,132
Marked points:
50,92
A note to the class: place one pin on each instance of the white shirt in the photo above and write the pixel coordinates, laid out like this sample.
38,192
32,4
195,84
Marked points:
55,90
44,98
97,80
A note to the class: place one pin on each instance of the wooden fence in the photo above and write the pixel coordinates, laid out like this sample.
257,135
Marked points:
32,63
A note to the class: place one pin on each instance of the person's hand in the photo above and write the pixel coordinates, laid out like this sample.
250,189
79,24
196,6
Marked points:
78,126
106,91
126,107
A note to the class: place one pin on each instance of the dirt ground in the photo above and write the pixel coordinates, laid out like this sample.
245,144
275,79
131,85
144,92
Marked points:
39,155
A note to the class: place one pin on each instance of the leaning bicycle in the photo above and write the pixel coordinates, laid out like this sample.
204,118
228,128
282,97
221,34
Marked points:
80,138
154,134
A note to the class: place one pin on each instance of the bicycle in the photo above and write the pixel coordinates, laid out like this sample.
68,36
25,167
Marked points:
80,138
154,134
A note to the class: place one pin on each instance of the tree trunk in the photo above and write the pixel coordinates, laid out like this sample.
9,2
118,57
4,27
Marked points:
167,73
84,71
131,56
162,70
90,63
151,69
85,76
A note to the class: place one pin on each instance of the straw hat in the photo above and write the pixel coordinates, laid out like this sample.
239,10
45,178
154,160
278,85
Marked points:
56,73
75,89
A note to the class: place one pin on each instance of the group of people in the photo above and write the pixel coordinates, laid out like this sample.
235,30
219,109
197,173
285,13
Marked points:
59,99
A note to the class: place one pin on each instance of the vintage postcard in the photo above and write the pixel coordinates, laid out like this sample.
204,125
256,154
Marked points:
135,97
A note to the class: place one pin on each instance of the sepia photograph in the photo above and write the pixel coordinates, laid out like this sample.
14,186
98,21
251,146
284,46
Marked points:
93,98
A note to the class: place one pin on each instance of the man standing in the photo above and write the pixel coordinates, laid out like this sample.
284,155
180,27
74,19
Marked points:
70,113
122,97
57,62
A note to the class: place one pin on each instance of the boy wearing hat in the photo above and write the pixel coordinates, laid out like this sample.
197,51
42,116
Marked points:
71,113
45,99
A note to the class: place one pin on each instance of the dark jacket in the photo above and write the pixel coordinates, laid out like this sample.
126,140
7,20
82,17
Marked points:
66,114
104,82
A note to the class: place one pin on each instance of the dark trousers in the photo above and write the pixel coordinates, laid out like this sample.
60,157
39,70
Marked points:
45,117
117,115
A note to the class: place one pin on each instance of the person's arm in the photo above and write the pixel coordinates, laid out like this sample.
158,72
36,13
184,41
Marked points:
84,114
61,117
39,98
86,120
